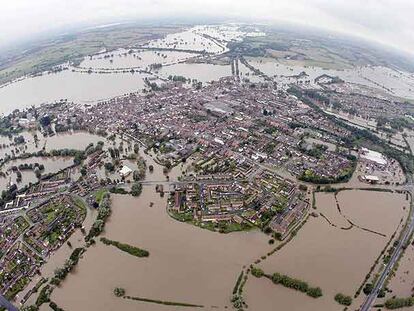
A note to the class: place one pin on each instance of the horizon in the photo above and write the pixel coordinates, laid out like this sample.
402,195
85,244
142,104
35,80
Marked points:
373,22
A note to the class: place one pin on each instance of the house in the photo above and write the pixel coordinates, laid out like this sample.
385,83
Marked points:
125,171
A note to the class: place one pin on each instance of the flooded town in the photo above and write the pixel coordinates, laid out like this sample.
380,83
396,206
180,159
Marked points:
205,167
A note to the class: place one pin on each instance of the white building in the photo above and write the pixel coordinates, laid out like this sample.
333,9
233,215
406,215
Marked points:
373,156
125,171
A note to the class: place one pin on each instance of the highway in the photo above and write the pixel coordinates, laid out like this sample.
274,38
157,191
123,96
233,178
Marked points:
394,258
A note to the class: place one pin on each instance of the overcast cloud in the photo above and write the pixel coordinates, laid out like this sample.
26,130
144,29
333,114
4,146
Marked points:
390,22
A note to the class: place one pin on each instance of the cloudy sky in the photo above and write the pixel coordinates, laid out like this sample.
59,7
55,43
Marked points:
386,21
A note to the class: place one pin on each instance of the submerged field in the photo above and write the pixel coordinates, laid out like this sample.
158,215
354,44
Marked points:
186,264
330,255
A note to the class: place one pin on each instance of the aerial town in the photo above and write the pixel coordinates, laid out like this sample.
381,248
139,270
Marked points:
252,154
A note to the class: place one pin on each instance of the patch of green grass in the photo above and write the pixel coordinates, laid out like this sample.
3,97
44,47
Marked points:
100,194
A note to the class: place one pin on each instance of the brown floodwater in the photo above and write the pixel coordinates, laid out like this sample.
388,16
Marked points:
60,256
52,165
326,256
78,140
200,71
74,86
402,284
186,264
378,211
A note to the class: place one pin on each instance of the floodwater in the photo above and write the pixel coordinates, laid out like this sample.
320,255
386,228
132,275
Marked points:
81,87
78,140
61,255
402,284
200,71
52,165
392,81
186,264
142,59
334,259
188,40
73,86
388,209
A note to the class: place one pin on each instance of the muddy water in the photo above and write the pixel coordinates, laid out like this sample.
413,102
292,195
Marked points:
199,71
335,260
74,86
72,140
384,79
185,264
61,255
52,165
326,205
77,140
121,59
402,284
378,211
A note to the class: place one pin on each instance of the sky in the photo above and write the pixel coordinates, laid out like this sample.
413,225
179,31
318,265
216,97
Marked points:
389,22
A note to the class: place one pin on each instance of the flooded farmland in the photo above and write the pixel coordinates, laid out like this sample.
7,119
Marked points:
202,265
384,79
201,72
71,140
327,256
110,74
73,86
51,165
142,59
402,284
76,140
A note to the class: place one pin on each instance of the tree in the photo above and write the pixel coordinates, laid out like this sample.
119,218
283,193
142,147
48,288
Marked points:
109,166
343,299
368,288
257,272
136,148
136,189
45,120
18,176
137,175
37,173
119,292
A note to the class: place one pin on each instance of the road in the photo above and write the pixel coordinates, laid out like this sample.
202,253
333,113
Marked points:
5,303
409,229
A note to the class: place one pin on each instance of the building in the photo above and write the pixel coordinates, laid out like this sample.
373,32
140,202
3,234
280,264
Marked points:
125,171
